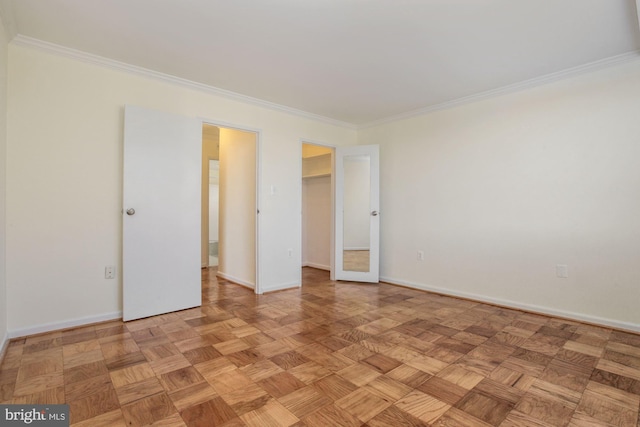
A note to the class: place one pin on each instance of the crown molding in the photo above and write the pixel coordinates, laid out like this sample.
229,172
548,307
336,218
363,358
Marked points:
8,19
21,40
516,87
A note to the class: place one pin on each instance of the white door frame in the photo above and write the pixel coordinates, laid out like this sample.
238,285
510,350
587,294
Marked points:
332,254
258,132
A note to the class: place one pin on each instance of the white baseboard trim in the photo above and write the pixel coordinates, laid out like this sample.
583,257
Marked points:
357,248
236,280
56,326
282,287
595,320
3,348
318,266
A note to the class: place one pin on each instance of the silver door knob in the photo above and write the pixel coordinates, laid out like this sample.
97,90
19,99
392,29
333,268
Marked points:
374,213
131,211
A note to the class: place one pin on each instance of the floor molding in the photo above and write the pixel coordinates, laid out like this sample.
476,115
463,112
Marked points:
5,345
547,311
56,326
282,287
235,280
318,266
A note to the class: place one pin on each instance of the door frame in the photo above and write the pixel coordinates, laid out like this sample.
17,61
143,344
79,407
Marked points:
258,132
332,254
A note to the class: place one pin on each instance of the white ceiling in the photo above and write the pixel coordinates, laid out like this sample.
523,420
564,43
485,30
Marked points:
356,61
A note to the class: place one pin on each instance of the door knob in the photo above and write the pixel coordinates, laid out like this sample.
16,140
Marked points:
374,213
131,211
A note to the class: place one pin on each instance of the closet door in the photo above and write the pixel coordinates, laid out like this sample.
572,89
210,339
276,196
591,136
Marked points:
357,237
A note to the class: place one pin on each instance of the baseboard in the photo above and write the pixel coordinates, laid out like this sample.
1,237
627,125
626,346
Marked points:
282,287
595,320
235,280
3,348
318,266
357,248
56,326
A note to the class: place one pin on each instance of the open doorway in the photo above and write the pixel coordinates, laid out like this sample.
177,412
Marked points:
229,204
317,206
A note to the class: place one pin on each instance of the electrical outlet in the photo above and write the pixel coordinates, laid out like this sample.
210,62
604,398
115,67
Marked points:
110,272
290,252
420,255
562,271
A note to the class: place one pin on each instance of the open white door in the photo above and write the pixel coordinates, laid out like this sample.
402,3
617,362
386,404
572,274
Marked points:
161,213
357,250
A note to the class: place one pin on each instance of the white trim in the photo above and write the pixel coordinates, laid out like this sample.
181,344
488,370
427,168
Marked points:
56,326
21,40
516,87
318,266
236,280
4,346
282,287
357,248
633,327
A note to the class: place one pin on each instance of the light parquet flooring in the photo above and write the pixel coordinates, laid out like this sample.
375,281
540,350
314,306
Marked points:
332,354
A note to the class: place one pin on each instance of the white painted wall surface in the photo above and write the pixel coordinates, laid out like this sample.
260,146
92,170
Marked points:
237,230
3,164
316,215
71,114
498,192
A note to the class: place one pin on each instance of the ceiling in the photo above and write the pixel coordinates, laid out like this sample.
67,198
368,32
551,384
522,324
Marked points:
353,61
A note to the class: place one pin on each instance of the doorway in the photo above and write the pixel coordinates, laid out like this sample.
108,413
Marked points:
317,206
229,203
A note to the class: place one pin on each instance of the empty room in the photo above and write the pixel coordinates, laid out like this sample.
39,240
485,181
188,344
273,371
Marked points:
320,213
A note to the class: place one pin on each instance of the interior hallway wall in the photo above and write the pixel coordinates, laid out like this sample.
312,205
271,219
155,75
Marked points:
237,231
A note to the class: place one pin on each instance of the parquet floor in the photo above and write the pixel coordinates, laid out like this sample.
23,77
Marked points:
332,354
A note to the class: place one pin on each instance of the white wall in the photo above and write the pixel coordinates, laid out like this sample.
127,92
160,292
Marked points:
3,164
496,193
63,205
316,226
237,229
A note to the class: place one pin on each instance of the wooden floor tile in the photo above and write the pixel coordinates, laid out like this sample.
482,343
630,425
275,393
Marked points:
93,404
363,404
304,401
210,413
148,410
271,414
547,410
422,406
331,353
139,390
331,415
108,419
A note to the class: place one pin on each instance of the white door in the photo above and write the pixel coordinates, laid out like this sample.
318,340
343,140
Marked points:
161,213
357,250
